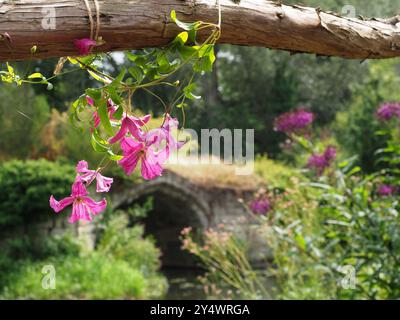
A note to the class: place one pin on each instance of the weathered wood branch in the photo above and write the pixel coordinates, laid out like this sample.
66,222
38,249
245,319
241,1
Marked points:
131,24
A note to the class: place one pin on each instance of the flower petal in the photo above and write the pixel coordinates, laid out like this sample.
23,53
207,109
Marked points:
82,166
90,101
57,206
78,188
80,211
129,145
129,162
121,133
84,46
95,207
103,183
151,168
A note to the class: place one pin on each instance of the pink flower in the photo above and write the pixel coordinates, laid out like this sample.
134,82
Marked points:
164,133
386,190
330,154
131,124
169,125
142,150
83,207
84,46
322,161
103,183
388,110
260,206
90,101
294,121
318,162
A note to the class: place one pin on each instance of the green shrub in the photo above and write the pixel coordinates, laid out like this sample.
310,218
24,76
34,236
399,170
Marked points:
30,247
16,251
22,116
94,276
124,265
127,243
26,188
276,174
345,226
356,127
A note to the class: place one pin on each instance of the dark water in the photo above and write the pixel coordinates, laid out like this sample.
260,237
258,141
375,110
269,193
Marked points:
183,284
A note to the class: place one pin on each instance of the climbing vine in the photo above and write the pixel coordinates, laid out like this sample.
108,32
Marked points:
117,132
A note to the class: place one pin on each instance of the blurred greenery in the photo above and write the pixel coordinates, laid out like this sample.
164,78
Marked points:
124,265
331,236
26,187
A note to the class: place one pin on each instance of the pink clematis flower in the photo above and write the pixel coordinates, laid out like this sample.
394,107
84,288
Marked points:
164,133
83,207
169,125
84,46
133,125
142,150
103,184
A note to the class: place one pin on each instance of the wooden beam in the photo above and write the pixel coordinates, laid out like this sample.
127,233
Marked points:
133,24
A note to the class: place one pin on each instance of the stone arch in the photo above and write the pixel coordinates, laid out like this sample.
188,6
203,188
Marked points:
176,204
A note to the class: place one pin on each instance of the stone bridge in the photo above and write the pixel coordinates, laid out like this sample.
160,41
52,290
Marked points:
197,196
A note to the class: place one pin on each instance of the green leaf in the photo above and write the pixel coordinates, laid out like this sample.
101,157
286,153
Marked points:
181,38
98,144
113,94
136,73
10,70
117,81
95,94
207,59
118,113
187,52
36,75
98,77
301,242
72,60
188,91
104,119
114,157
184,25
192,35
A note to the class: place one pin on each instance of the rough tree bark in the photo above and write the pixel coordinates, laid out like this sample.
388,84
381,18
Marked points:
130,24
